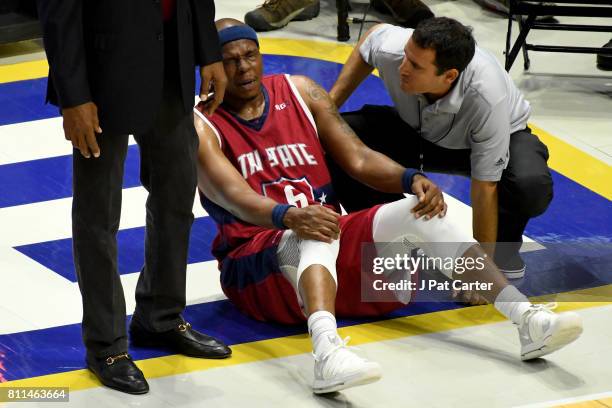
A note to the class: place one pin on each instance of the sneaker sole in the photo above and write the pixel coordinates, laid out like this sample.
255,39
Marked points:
567,331
303,14
360,378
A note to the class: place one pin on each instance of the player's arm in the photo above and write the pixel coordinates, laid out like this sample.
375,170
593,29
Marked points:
222,183
354,71
359,161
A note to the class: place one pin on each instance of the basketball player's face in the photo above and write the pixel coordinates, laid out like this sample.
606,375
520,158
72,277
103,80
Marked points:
418,72
243,67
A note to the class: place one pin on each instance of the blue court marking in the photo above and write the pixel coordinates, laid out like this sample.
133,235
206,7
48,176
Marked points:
23,101
57,255
597,227
51,179
575,213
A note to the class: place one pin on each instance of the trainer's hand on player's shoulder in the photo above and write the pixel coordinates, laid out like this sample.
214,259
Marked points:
314,222
80,127
431,199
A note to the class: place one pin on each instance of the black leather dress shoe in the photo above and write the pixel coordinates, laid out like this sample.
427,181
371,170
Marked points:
120,373
182,339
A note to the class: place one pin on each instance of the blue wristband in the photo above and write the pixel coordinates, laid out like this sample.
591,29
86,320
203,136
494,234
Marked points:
407,179
278,213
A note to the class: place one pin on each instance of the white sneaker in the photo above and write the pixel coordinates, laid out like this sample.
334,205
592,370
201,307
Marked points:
340,368
541,331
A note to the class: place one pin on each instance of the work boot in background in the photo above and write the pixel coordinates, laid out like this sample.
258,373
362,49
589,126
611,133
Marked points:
275,14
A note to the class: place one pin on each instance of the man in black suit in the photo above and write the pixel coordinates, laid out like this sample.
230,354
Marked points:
120,68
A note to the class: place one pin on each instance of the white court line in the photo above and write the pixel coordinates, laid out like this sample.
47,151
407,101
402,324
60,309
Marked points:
38,139
51,220
39,298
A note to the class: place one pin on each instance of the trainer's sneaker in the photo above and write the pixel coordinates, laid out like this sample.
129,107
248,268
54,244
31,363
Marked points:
340,368
275,14
541,331
512,268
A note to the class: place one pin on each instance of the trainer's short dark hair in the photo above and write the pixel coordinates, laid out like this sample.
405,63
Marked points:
452,41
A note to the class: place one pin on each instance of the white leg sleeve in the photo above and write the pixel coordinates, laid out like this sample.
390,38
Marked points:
296,255
437,237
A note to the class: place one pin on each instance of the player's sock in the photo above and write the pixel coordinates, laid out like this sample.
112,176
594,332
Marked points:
323,331
512,303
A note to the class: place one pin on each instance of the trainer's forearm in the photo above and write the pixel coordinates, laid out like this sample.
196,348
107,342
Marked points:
354,71
485,213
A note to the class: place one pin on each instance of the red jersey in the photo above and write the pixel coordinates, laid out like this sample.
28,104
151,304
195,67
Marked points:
279,155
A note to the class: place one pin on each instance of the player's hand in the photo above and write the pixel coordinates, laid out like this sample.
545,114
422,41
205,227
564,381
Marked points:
468,296
314,222
431,199
80,127
213,78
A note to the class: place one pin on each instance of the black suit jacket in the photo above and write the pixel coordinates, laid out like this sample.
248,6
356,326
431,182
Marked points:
111,52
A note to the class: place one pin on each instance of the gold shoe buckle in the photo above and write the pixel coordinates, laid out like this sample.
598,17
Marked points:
184,326
111,360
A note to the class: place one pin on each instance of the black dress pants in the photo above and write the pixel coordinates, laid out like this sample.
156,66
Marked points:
168,154
525,189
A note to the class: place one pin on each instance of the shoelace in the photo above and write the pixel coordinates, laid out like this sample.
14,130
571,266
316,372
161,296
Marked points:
327,356
341,344
271,4
541,307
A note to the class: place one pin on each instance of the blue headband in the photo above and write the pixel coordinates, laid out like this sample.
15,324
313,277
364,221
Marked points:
239,32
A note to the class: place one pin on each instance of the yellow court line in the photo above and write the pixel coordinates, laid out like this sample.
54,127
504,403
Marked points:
326,51
298,344
601,403
576,164
23,71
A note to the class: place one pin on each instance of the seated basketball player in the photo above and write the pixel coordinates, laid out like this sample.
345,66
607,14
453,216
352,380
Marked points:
285,253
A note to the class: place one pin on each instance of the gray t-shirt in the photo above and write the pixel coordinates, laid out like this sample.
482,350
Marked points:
479,113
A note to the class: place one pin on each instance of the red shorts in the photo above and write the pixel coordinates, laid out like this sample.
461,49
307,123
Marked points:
252,280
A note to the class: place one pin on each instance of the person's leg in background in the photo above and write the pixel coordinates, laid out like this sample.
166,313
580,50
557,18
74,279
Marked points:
604,61
407,13
275,14
168,172
525,191
96,210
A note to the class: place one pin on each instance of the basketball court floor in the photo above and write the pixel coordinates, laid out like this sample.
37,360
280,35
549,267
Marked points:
433,354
